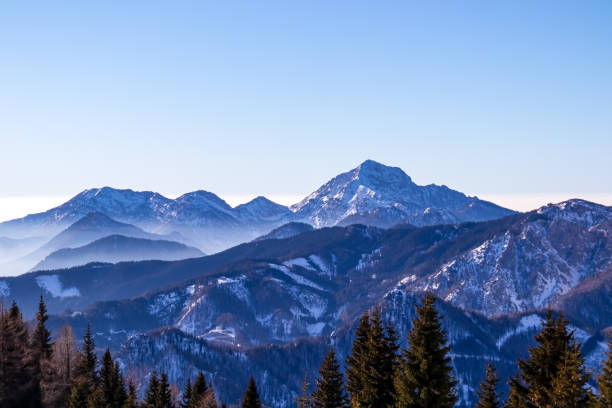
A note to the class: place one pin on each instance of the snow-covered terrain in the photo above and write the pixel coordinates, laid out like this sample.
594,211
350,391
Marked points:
52,285
379,195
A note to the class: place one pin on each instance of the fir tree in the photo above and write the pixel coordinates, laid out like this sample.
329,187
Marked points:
96,399
487,395
569,386
119,393
186,399
41,338
78,396
108,380
533,386
251,397
164,394
371,365
329,392
424,377
18,386
198,390
604,381
152,394
357,363
132,399
85,369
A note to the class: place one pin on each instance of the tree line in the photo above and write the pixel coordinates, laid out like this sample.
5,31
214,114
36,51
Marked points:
421,375
38,373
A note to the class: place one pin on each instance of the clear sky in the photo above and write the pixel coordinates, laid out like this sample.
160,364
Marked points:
507,100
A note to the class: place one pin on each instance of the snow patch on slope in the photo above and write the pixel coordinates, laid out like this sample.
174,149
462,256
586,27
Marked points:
300,280
530,322
52,284
4,289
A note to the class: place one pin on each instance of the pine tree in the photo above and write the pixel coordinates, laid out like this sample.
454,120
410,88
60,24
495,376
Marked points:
372,363
41,338
533,386
18,387
251,397
186,399
516,394
119,393
208,400
604,381
107,380
96,399
132,399
357,363
78,396
85,369
152,395
424,376
329,392
199,387
569,386
165,396
487,395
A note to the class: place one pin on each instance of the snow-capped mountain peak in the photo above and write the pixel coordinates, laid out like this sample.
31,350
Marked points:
380,195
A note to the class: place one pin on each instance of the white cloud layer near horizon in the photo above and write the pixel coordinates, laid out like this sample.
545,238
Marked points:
19,206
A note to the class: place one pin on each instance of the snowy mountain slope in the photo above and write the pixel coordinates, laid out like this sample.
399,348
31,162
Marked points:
200,216
383,196
272,294
288,230
371,194
280,368
542,256
117,248
264,295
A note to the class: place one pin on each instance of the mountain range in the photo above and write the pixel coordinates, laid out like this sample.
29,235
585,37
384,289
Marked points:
371,194
273,305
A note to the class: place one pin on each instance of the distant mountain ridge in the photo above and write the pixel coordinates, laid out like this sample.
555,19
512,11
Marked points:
284,292
371,194
117,248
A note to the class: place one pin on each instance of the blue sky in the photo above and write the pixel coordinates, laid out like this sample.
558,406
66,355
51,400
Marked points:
507,100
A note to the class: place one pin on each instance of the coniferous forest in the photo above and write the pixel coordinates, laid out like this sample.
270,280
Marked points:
38,371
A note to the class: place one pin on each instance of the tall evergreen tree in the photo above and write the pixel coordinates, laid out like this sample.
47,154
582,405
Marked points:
604,381
424,377
152,394
107,379
41,338
198,390
132,399
96,399
18,387
372,363
78,396
357,363
85,368
329,391
533,386
186,398
569,387
165,395
487,395
251,396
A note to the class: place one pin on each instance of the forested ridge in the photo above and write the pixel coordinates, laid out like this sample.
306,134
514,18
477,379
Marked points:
38,371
